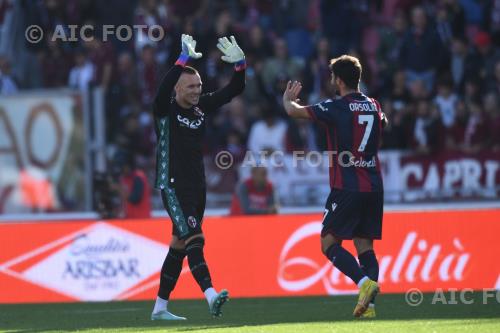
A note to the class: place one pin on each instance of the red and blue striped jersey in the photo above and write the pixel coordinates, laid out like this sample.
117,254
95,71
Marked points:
353,126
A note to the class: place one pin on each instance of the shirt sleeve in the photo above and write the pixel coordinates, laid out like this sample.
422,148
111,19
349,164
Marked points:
322,112
164,93
216,99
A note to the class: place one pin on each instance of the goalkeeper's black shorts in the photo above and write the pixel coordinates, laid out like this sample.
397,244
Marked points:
185,208
350,214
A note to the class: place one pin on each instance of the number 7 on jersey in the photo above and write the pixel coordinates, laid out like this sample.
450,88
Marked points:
368,119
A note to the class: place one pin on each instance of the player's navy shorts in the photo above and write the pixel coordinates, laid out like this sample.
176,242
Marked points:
351,214
185,208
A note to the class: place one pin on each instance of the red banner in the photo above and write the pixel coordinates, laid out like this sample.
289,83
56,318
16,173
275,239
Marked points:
250,256
450,175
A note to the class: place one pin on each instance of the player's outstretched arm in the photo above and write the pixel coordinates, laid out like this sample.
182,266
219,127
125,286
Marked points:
170,79
290,101
232,54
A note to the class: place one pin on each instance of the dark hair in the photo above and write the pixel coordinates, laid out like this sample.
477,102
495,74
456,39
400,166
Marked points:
348,69
189,70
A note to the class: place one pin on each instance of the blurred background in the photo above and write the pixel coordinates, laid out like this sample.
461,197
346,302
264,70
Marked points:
76,129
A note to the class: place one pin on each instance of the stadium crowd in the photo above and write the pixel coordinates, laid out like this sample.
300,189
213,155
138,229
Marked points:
433,65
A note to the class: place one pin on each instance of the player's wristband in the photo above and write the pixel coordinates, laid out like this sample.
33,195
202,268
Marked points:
240,65
182,60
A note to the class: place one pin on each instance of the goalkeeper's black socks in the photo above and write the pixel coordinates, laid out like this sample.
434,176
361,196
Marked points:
369,265
345,262
170,271
197,263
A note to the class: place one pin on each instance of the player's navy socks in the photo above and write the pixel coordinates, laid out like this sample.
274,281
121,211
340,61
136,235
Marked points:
369,265
345,262
170,271
197,263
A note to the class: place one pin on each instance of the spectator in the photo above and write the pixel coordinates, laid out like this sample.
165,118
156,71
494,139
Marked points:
450,20
446,102
147,14
258,45
55,65
317,77
421,50
102,56
339,26
300,136
476,129
426,128
394,134
484,56
280,65
389,48
472,89
458,59
494,84
232,120
148,75
134,188
470,130
7,84
267,134
127,81
255,196
492,112
82,73
399,93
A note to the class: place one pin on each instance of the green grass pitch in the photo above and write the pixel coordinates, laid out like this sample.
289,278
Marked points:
300,314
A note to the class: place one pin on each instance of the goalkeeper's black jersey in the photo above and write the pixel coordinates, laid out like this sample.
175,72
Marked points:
179,154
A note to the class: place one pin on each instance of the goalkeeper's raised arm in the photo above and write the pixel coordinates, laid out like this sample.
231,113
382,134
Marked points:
232,54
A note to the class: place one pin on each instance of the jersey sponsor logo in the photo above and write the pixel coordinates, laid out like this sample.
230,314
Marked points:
366,107
195,124
192,222
362,163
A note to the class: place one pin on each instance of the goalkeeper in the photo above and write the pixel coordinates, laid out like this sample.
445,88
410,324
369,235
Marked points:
180,120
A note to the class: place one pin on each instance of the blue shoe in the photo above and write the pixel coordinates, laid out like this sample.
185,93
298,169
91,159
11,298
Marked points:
165,315
217,302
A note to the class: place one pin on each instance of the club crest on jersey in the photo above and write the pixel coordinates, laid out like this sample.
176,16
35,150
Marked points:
323,107
192,222
198,112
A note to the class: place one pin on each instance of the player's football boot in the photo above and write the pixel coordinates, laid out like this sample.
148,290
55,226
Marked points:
165,315
369,289
370,312
217,302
